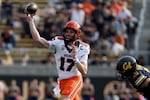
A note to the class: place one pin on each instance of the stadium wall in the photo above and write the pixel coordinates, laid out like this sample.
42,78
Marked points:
99,75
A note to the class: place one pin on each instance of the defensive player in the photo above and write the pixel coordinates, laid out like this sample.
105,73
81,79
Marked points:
138,76
71,55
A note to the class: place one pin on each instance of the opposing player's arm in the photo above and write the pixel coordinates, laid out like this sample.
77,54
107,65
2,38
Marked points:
142,81
145,82
35,33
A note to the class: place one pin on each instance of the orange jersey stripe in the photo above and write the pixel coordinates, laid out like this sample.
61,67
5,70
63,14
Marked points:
84,44
60,37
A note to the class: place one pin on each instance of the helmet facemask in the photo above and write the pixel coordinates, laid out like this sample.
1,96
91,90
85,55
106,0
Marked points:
67,40
74,26
125,74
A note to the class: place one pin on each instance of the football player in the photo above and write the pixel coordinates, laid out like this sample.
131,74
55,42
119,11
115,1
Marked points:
71,55
138,76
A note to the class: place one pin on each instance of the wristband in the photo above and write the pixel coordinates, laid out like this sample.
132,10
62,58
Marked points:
76,60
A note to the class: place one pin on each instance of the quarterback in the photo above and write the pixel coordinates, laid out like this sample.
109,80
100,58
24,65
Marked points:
71,55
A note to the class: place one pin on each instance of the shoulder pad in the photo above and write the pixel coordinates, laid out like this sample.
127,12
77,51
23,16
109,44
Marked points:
85,44
58,38
139,67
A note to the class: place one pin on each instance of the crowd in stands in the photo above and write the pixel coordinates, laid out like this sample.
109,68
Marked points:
108,25
39,90
120,90
35,89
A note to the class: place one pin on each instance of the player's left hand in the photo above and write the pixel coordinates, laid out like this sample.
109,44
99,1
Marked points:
74,51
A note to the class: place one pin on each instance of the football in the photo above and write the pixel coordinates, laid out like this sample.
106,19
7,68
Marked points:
31,8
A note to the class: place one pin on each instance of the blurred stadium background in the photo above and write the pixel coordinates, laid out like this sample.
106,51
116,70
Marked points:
112,28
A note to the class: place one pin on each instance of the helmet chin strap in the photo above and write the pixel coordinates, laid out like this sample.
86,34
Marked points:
66,45
67,41
70,39
77,42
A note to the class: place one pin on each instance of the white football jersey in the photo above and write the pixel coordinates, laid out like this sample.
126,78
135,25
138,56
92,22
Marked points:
64,62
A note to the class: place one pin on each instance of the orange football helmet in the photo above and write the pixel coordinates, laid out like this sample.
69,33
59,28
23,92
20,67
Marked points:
75,27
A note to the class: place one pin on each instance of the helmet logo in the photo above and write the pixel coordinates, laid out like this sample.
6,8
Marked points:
127,66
